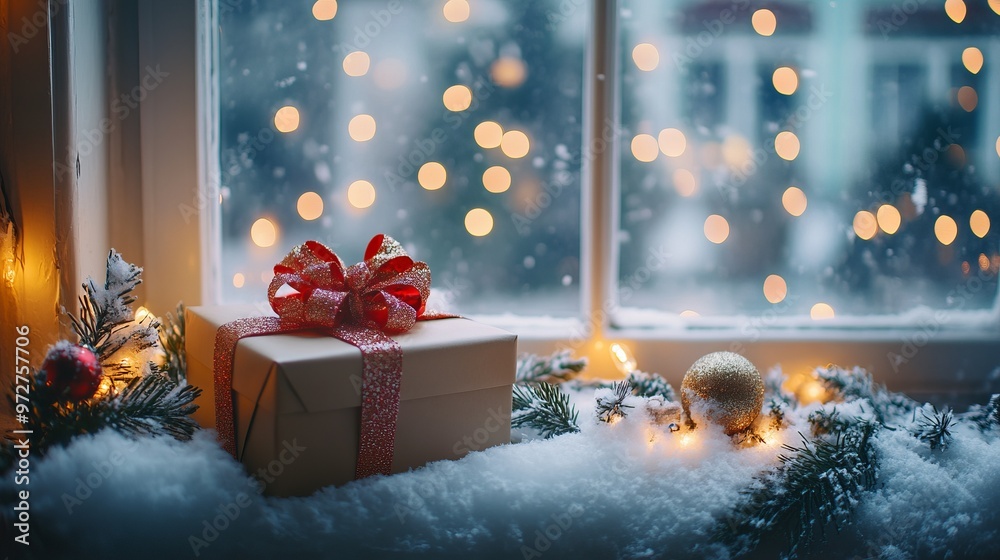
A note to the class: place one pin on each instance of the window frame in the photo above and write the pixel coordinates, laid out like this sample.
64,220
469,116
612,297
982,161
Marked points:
923,351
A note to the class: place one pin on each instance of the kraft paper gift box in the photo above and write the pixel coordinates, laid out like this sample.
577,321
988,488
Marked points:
302,392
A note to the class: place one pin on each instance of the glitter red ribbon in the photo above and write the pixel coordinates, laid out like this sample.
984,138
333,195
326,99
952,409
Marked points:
361,305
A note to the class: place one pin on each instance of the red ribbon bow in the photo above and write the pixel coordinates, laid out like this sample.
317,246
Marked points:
360,304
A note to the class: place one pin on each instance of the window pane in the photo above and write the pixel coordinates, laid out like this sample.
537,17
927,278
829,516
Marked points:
810,158
454,127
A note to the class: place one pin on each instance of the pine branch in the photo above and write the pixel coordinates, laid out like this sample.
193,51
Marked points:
985,417
830,421
816,486
545,408
155,405
172,332
854,384
611,408
558,367
935,428
776,411
651,384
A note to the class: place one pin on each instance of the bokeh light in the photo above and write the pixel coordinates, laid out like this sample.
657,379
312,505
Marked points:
645,147
716,229
979,222
357,63
515,144
967,98
361,194
955,9
432,176
794,201
888,218
671,142
821,311
457,98
361,128
239,280
685,182
786,144
972,59
785,80
488,134
456,11
646,57
764,22
324,10
865,225
509,72
263,232
775,288
286,119
945,229
310,206
478,222
496,179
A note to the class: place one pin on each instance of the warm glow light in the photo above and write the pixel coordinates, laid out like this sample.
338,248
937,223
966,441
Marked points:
888,218
984,262
672,142
786,144
496,179
310,206
325,10
785,80
865,225
239,280
764,22
811,391
456,11
646,57
361,128
263,232
357,63
794,201
432,176
690,313
945,229
972,58
142,314
775,288
286,119
488,134
716,228
361,194
645,147
685,182
736,151
478,222
980,223
967,98
998,146
508,72
821,311
457,98
955,10
686,440
995,6
622,357
514,144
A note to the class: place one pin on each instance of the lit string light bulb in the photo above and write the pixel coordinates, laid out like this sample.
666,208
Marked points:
622,357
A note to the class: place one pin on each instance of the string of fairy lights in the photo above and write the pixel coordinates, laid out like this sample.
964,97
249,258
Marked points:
736,151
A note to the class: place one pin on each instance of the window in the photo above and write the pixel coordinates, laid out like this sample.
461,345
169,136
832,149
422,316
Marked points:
457,130
813,161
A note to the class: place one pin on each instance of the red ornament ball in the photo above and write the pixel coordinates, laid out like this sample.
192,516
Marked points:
72,371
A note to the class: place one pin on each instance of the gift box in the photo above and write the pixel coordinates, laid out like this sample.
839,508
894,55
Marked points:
297,397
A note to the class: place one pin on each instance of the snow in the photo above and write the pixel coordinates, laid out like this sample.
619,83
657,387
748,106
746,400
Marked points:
628,489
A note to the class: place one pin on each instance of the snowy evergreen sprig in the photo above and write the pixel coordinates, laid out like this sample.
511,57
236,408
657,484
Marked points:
545,408
611,408
106,320
817,485
558,367
935,428
857,383
829,421
172,332
985,417
651,384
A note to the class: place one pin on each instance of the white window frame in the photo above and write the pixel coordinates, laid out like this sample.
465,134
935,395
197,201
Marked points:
932,359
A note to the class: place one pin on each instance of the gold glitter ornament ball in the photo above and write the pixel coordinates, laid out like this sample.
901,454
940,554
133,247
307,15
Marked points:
730,384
